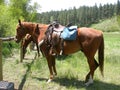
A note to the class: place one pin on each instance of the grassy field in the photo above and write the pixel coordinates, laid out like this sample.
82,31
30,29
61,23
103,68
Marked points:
33,74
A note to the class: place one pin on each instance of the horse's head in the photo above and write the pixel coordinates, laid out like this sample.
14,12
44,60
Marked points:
20,31
24,28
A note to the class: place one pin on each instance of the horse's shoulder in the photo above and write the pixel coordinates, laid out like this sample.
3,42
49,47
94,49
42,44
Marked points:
42,26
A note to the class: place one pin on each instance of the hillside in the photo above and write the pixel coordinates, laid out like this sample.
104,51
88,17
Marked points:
108,25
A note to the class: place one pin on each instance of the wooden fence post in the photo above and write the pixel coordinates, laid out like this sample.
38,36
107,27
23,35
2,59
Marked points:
1,66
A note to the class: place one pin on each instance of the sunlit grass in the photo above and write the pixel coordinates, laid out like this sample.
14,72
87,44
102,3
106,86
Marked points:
71,70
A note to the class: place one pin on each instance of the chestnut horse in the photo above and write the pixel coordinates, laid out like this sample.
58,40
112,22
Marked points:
88,41
37,31
27,38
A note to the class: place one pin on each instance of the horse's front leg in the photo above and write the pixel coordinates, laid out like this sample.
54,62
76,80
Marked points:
50,60
24,51
54,66
38,50
24,46
51,65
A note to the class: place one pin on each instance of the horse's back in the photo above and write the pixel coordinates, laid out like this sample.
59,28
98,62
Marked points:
90,32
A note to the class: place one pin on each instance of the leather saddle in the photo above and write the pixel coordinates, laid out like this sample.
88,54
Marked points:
60,28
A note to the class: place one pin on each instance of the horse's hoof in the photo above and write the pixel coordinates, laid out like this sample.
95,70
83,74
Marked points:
90,81
49,80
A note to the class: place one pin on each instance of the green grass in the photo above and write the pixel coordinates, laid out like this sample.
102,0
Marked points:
32,75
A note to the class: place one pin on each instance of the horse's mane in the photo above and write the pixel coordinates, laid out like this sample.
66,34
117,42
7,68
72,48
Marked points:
31,23
28,23
49,29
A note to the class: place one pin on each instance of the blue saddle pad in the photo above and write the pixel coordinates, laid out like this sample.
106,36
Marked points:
69,33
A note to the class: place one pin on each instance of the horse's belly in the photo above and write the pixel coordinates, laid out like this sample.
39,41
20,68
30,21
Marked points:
71,47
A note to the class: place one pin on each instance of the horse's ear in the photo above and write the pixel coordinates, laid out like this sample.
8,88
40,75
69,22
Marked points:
19,22
37,29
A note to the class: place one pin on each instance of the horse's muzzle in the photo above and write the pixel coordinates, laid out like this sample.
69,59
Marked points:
16,40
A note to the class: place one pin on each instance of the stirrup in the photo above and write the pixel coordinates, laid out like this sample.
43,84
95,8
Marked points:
61,52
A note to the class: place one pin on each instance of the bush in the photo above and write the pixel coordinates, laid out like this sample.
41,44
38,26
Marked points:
7,48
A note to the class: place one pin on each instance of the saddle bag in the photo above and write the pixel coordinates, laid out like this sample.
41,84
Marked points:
69,33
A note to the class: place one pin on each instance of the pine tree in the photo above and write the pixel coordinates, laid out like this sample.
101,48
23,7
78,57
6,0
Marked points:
118,8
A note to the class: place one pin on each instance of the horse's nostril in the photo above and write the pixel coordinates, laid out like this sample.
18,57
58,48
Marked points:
17,41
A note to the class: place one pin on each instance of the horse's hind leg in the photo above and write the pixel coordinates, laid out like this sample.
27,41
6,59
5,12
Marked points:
92,65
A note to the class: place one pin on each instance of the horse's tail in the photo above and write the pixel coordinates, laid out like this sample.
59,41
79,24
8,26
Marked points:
101,56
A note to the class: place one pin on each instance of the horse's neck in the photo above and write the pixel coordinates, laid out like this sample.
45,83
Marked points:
42,29
37,37
30,29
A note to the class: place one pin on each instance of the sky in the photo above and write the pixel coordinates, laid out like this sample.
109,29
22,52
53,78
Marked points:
48,5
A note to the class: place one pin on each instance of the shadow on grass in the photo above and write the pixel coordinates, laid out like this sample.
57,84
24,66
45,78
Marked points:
78,84
63,57
25,75
40,79
69,82
99,85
